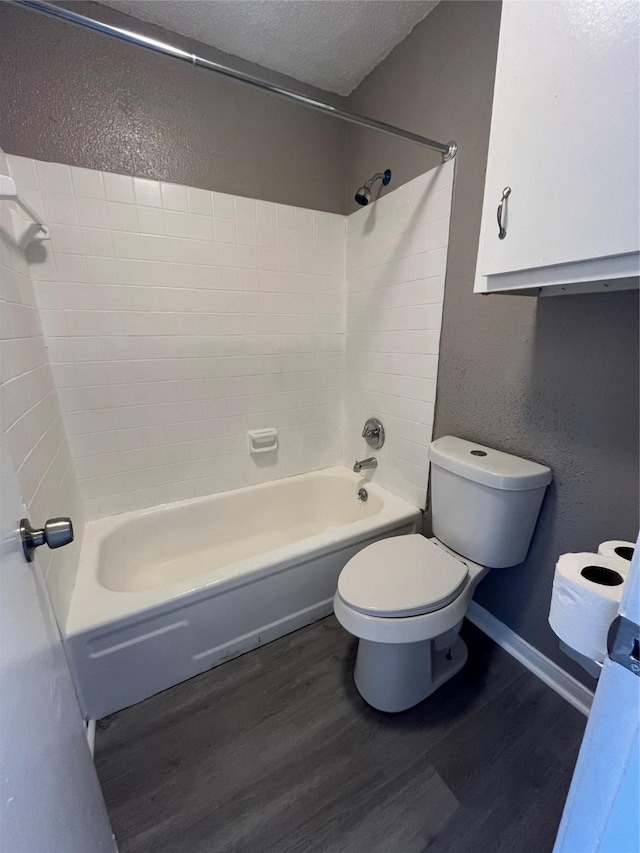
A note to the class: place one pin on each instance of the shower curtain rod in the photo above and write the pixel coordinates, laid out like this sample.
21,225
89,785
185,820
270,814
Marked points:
447,149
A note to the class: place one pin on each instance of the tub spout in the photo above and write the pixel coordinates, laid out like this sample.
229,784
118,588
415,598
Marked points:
371,462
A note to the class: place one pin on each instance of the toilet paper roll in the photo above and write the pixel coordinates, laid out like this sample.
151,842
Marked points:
587,589
618,549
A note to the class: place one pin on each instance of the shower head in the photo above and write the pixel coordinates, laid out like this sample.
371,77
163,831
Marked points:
363,195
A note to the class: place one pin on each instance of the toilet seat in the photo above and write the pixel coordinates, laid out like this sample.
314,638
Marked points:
401,576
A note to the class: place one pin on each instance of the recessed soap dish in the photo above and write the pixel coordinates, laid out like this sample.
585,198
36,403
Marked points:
263,440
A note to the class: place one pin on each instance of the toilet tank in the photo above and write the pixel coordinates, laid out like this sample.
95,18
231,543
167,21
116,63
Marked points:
484,503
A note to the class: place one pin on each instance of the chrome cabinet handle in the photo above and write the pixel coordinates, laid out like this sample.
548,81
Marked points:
55,533
502,231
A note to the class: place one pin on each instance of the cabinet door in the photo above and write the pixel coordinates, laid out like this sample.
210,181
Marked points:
564,135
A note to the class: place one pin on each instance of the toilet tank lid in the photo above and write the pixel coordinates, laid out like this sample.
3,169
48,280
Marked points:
487,466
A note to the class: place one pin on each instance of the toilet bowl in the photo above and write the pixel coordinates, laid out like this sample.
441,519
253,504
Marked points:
405,597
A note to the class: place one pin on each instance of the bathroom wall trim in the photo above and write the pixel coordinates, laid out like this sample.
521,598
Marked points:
554,676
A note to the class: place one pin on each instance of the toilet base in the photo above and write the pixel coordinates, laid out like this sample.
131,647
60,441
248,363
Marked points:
392,677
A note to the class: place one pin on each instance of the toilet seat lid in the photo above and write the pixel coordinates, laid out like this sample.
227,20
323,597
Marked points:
401,576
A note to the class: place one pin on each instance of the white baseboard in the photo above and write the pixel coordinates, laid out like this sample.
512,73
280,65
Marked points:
553,675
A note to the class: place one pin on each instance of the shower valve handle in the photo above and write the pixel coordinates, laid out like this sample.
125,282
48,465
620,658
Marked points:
373,433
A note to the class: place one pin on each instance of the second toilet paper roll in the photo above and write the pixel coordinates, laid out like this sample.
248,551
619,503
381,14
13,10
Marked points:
617,549
587,589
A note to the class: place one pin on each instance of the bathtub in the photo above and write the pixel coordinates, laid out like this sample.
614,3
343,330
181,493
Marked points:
164,594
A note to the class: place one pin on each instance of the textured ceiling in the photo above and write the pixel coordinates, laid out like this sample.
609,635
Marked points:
331,44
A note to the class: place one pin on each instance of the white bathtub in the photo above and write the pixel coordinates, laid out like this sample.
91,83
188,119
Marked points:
164,594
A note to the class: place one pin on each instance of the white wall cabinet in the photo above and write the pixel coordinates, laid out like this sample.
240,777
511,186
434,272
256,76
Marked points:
565,137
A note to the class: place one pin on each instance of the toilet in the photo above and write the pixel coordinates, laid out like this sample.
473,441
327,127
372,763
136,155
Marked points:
405,597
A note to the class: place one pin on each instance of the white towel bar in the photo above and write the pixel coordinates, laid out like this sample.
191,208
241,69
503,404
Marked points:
24,232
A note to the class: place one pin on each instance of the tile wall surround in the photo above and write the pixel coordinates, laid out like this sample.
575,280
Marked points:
31,417
177,319
396,263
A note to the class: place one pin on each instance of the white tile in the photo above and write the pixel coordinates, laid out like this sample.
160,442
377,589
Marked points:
123,217
224,205
227,255
147,192
128,245
439,205
66,239
71,268
438,234
42,267
200,201
245,208
247,232
34,199
266,211
177,224
267,230
436,262
268,258
286,216
118,187
200,252
87,183
93,212
60,209
54,178
201,227
304,223
53,324
174,197
151,220
97,242
286,251
23,172
435,289
321,225
103,271
82,323
249,279
248,257
225,230
321,262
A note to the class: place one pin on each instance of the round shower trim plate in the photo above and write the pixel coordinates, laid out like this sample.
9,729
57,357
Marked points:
375,437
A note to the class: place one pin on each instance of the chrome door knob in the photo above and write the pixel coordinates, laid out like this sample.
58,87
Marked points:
55,533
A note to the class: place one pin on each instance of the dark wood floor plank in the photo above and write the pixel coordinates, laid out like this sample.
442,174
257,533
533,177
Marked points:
511,776
276,752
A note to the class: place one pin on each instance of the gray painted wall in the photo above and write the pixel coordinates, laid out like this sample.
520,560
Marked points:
72,96
555,379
